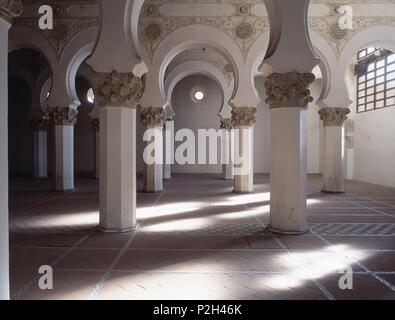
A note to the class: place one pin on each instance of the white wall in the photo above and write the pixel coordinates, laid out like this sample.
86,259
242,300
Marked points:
197,115
374,147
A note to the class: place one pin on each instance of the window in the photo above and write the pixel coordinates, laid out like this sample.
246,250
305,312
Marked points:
90,96
375,79
198,94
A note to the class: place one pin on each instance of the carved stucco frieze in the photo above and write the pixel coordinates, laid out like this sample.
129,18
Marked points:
289,90
243,116
226,124
116,89
10,9
334,117
63,116
152,116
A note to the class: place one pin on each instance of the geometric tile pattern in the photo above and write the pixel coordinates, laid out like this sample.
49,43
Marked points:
354,229
241,229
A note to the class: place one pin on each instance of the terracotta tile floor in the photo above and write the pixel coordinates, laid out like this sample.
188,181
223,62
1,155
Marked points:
198,240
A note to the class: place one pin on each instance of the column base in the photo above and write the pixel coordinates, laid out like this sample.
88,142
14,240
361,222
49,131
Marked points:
333,192
242,192
288,232
154,191
104,230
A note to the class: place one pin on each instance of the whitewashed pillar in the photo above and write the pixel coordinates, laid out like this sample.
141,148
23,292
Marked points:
117,95
289,74
226,150
63,119
96,131
168,151
334,165
8,9
152,119
243,120
40,147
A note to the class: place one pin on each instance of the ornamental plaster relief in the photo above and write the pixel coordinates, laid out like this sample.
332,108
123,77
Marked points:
246,22
70,18
117,89
10,9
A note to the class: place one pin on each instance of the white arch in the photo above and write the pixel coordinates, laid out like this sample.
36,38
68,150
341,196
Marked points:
21,37
189,37
198,67
80,47
379,36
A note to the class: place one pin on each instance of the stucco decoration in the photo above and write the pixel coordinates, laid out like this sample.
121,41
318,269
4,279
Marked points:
226,124
117,89
152,116
10,9
289,90
63,116
243,116
66,23
95,124
39,124
334,117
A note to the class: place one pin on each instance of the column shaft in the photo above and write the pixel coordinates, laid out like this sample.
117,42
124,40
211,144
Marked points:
64,157
244,172
40,154
118,169
333,168
288,179
168,142
97,154
153,171
4,237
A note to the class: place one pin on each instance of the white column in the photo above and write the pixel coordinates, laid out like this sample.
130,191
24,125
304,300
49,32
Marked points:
243,169
168,142
96,130
152,119
334,164
118,169
243,120
40,155
288,179
226,150
40,148
64,157
4,246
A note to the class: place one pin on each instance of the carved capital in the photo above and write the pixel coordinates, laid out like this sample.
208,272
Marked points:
96,124
334,117
117,89
243,117
289,90
226,124
39,124
10,9
63,116
153,116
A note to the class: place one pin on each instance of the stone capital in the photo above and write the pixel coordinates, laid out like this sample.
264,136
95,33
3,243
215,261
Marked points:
243,116
63,116
226,124
10,9
334,117
289,90
152,116
96,124
116,89
39,124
